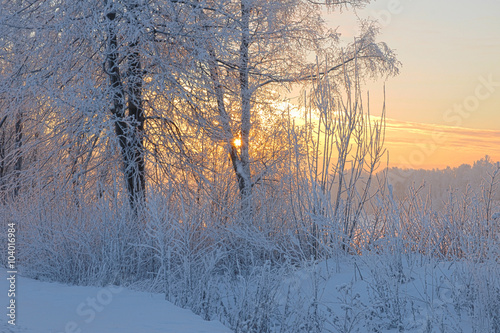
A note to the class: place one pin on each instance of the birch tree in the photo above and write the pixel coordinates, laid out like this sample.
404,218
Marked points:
263,46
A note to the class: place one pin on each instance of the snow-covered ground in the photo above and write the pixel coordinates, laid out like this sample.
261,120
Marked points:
369,293
44,307
385,293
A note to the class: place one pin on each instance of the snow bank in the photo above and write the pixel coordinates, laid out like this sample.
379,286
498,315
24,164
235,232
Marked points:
44,307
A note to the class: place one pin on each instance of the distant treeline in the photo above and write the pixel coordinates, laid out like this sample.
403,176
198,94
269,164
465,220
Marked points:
442,184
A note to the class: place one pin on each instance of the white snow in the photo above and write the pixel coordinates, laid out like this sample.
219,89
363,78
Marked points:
44,307
361,294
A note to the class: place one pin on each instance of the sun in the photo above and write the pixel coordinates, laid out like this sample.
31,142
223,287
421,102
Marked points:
237,143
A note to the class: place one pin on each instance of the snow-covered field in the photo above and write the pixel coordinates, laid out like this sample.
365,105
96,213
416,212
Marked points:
373,294
44,307
348,294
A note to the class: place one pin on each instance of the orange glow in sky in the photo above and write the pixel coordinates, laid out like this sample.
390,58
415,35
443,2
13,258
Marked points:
443,108
425,146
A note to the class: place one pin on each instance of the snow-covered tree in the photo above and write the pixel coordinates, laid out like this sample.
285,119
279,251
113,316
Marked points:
250,49
147,83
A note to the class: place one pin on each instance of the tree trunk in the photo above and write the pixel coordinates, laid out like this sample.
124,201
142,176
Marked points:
243,172
128,129
19,157
136,181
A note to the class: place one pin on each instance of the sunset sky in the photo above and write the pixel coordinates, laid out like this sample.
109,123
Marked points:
444,107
